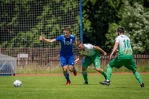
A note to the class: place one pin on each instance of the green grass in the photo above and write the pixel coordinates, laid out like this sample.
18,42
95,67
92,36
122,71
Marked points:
47,70
123,86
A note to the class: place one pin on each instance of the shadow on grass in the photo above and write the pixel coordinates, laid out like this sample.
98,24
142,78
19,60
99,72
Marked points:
121,87
81,84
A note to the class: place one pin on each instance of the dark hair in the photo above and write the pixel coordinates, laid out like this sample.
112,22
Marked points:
67,29
121,29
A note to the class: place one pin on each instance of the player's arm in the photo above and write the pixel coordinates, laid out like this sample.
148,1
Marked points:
80,57
114,49
47,40
100,50
76,42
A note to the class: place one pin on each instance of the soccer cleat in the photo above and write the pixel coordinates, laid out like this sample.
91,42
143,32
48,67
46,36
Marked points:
105,83
86,83
75,72
142,85
68,82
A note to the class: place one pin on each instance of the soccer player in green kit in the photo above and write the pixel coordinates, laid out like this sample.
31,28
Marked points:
124,58
91,54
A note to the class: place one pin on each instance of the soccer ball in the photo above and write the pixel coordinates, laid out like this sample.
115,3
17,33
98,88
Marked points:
17,83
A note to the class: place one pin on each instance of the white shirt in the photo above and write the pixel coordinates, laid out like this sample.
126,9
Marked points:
124,45
88,50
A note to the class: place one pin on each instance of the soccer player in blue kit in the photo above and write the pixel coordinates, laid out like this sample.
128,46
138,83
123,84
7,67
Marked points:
66,52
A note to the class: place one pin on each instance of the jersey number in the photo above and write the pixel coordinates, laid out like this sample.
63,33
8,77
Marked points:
126,43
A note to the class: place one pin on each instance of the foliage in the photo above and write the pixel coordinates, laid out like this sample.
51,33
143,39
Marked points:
23,21
136,22
111,36
97,16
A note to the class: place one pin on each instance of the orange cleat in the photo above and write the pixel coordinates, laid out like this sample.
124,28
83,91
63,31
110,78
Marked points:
68,82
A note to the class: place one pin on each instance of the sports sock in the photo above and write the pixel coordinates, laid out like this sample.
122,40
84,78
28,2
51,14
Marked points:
138,77
66,76
84,73
109,72
104,74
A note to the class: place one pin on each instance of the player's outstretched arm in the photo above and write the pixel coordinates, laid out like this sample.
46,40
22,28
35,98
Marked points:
79,58
47,40
100,50
76,42
114,49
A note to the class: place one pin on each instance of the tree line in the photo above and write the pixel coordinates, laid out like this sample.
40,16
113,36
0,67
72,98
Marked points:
22,21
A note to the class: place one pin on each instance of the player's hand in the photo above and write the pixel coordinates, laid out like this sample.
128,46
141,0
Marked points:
104,53
41,38
76,61
111,56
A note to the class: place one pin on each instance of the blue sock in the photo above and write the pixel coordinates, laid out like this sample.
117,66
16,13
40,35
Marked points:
67,76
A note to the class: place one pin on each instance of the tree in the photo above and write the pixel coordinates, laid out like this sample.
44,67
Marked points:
97,15
136,22
22,22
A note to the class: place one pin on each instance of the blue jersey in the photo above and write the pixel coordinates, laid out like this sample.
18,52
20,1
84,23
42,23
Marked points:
66,45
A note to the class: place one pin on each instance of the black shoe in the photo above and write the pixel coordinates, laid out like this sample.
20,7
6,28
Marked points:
86,83
142,85
105,83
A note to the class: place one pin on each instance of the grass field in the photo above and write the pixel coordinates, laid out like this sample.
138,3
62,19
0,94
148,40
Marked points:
123,86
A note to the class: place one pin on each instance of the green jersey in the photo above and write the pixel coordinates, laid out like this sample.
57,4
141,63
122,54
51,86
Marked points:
88,50
124,45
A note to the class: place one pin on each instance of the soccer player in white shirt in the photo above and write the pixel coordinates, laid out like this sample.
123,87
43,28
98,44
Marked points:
124,58
91,54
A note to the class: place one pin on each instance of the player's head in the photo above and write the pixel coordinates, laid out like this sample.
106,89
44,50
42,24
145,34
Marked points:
80,46
67,32
120,30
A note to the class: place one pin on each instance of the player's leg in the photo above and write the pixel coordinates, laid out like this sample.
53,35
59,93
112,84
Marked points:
66,75
117,63
131,65
96,62
108,78
71,64
63,61
138,77
73,69
84,73
85,63
109,72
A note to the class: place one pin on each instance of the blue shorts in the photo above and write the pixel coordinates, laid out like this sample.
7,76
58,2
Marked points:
67,60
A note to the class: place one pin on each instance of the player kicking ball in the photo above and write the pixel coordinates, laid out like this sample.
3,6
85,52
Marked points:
66,52
124,58
91,55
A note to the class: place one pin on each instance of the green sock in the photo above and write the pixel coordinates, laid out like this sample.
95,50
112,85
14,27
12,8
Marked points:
84,73
109,72
138,77
104,74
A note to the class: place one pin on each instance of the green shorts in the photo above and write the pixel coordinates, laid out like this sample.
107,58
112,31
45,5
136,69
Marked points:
95,59
123,60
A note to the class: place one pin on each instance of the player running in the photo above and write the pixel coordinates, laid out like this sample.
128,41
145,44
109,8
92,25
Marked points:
66,52
91,55
124,58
